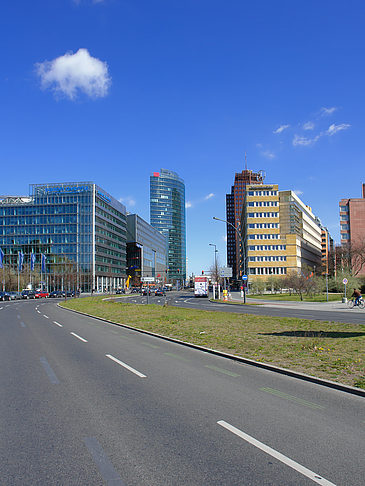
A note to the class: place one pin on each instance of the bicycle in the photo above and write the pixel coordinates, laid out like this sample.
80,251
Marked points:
360,304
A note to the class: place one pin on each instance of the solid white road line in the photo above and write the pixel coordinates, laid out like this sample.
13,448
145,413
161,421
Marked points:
57,324
44,315
78,337
272,452
141,375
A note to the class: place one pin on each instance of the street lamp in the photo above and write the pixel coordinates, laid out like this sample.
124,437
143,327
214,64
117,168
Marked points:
243,251
215,256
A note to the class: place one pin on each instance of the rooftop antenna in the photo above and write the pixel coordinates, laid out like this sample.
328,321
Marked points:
245,161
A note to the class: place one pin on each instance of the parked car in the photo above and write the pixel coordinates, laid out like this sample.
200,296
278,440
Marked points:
28,294
120,291
57,294
41,293
14,295
4,296
159,292
135,290
146,290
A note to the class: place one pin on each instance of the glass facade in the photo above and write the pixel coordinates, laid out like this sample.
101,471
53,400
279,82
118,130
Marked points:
167,215
147,250
78,227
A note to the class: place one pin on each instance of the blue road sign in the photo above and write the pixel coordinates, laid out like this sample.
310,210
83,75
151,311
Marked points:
244,277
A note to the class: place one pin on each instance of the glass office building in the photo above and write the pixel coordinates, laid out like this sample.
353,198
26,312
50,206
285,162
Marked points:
167,215
78,227
146,251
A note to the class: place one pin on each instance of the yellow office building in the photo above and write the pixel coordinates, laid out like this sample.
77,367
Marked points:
281,233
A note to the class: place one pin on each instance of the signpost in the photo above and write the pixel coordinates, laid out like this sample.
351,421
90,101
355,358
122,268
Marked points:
345,282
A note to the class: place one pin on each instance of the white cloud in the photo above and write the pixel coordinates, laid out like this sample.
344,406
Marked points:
337,128
209,196
281,129
224,238
328,111
268,154
188,204
298,192
127,201
308,126
74,73
298,140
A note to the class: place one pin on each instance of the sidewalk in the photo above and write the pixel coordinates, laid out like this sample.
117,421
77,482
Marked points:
324,306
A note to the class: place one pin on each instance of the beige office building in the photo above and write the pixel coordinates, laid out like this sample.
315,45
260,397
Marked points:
282,235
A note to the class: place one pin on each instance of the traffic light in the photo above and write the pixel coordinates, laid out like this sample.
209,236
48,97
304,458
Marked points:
178,270
202,272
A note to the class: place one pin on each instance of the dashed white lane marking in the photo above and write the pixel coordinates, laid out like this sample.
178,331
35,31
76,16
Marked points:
78,337
141,375
103,463
22,324
51,374
44,315
0,308
277,455
57,324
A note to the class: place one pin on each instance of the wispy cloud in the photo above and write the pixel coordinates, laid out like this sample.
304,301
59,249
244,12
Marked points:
209,196
337,128
188,204
268,154
298,192
224,238
281,129
304,141
72,74
127,201
328,111
308,125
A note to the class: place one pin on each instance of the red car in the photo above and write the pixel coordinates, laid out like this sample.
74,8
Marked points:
41,293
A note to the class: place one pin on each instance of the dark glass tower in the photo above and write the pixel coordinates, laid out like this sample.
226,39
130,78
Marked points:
167,215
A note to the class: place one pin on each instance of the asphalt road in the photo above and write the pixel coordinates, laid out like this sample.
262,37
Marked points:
318,311
85,402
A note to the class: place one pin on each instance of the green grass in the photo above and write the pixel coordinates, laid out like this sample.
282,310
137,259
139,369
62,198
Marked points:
327,350
296,298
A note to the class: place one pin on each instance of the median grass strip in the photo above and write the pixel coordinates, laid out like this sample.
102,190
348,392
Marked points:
327,350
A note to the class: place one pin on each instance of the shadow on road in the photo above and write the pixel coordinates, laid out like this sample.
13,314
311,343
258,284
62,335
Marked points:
311,334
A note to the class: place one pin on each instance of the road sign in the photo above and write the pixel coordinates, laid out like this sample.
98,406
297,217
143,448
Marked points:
244,277
225,272
345,281
147,279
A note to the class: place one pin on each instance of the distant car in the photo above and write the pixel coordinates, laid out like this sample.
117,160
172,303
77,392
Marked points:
146,291
159,292
56,294
4,296
28,294
120,291
14,295
40,294
135,290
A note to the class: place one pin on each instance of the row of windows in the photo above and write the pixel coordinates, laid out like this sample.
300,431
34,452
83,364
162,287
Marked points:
32,220
37,230
264,237
37,210
109,225
267,259
268,271
263,215
263,203
109,217
101,203
262,193
267,247
105,232
263,225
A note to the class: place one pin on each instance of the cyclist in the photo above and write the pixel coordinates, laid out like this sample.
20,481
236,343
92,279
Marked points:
357,296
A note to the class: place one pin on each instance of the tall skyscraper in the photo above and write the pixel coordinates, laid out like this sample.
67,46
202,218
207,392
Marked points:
352,225
167,215
234,204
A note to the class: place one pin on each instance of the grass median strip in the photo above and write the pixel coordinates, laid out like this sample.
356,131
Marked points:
327,350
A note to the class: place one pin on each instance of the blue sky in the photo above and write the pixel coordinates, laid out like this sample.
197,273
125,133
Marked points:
111,90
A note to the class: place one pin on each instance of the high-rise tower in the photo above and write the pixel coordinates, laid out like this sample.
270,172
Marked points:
234,204
167,215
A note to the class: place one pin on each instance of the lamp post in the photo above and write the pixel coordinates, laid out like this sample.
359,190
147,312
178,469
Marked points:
215,269
215,257
243,252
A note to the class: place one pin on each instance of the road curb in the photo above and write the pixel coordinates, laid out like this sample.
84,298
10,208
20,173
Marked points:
266,366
